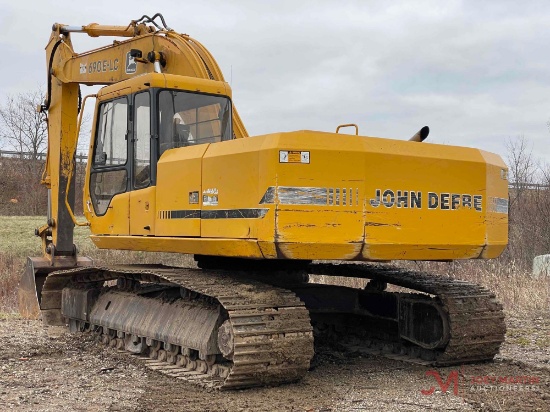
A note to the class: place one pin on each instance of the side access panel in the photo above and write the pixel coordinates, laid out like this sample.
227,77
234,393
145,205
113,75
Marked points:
179,192
142,211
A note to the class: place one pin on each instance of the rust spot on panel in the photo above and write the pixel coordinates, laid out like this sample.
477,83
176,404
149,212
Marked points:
339,211
382,224
280,253
296,225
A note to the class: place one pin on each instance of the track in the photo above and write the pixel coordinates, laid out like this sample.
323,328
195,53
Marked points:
475,318
268,333
264,334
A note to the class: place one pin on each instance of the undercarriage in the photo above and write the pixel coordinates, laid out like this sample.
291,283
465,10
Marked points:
249,327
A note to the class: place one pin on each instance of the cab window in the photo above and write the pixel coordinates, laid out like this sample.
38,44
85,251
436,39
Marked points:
142,141
109,175
110,144
191,118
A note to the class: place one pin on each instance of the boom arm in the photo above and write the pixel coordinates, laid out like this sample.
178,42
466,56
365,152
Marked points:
165,50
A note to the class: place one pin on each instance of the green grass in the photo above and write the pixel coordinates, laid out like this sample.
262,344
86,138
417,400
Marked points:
522,341
9,315
17,242
17,236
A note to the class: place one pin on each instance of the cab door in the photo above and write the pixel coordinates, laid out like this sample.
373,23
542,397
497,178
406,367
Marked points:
143,193
106,193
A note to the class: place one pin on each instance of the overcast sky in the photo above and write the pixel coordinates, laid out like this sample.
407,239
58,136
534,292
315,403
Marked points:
476,72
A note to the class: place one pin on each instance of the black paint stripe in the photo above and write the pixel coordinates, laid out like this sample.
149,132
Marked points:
233,214
215,214
269,196
184,214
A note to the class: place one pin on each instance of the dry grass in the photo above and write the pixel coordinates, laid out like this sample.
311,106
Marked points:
513,286
11,269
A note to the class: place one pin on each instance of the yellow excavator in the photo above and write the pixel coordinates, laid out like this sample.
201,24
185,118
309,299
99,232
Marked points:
171,168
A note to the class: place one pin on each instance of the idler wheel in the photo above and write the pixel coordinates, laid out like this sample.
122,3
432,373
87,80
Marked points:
226,340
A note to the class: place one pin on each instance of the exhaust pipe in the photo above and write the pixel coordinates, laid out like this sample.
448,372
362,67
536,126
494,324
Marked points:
421,135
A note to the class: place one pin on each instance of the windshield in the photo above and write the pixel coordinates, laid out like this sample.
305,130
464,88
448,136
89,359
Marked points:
187,119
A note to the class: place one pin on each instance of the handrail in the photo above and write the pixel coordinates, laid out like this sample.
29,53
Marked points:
349,125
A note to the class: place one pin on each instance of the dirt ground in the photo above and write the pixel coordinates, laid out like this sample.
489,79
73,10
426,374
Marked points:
73,372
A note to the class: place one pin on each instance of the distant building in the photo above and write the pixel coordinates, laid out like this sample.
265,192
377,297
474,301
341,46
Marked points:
541,266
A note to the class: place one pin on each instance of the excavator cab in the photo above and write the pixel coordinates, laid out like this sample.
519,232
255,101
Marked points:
136,122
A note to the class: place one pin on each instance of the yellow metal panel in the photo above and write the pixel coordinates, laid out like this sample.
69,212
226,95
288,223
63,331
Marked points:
111,94
219,247
143,211
170,81
194,84
430,173
310,251
404,251
231,173
334,166
116,220
178,178
496,206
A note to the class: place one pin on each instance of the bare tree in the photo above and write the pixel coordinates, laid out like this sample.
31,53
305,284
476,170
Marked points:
522,166
21,127
25,130
529,229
